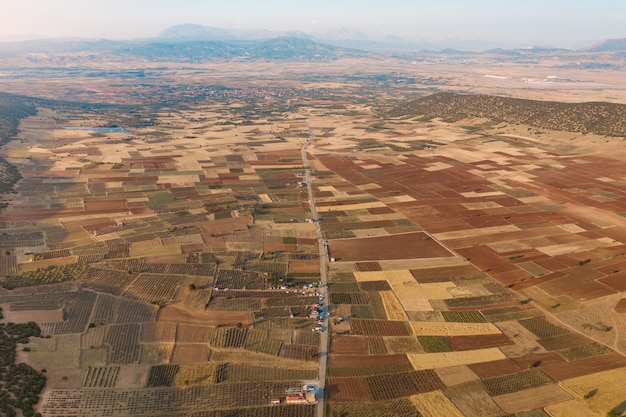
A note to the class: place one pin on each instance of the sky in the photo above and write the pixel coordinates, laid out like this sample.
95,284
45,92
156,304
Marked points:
565,23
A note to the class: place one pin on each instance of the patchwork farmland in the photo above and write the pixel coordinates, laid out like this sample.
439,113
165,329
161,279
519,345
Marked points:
174,269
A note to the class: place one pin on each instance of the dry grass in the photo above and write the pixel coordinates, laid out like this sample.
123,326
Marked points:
604,390
435,404
446,359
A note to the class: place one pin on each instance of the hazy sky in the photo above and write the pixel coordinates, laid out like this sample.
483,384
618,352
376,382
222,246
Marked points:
518,22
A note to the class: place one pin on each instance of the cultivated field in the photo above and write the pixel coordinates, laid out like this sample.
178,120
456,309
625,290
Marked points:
476,265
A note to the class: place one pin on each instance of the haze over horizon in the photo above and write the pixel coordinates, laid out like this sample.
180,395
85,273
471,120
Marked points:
567,24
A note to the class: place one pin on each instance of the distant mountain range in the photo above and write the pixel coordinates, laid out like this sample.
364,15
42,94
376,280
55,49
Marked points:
189,42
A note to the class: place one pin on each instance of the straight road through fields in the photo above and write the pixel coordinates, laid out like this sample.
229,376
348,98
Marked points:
323,289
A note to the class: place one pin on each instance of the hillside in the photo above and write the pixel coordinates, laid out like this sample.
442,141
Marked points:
168,50
599,118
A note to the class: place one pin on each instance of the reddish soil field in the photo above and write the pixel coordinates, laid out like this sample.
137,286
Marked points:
561,371
537,281
349,345
348,390
304,266
495,368
478,342
620,307
345,361
512,277
368,266
380,327
443,273
381,210
538,359
486,259
569,283
404,246
616,281
591,291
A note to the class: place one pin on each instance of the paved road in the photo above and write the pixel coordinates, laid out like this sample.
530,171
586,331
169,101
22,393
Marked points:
323,276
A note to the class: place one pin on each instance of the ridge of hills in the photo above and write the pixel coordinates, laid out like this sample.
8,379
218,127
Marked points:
282,47
600,118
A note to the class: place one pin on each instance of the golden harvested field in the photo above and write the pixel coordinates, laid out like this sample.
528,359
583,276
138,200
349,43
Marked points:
453,329
603,392
446,359
435,404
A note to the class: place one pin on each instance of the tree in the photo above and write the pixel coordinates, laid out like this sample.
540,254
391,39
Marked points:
191,287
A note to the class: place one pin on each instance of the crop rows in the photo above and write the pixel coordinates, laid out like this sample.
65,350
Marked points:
104,309
106,280
59,253
273,312
380,327
291,301
585,351
402,407
125,265
130,311
205,374
91,258
240,280
35,305
479,301
8,265
235,304
298,352
48,275
376,345
124,342
348,390
162,375
241,372
101,377
202,258
252,294
463,316
349,298
276,268
360,371
306,338
229,337
153,288
368,266
77,315
374,286
94,337
542,328
390,386
343,287
269,347
361,312
378,308
286,410
520,381
433,344
162,401
202,269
